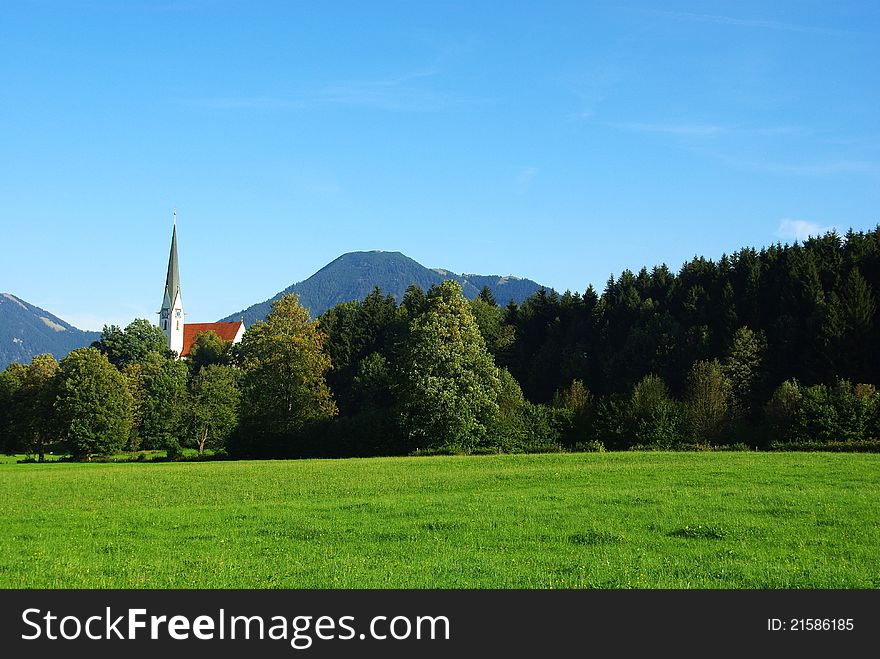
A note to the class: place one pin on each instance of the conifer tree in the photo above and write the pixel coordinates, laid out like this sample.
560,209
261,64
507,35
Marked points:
742,366
858,309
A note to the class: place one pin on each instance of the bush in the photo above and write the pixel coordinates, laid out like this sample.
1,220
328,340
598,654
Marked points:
780,411
609,423
573,407
699,447
739,446
538,429
709,402
594,446
506,434
173,450
859,446
816,418
821,414
653,417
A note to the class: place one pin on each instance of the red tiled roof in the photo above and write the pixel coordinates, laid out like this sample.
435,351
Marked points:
225,331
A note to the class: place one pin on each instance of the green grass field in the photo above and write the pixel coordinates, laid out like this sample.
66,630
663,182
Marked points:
614,520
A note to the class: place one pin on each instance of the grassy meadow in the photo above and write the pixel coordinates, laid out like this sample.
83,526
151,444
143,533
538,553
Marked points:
613,520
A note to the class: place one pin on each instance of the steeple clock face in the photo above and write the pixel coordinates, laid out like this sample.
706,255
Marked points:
177,313
163,314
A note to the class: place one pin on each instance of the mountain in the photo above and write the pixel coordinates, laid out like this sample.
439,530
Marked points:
27,331
353,276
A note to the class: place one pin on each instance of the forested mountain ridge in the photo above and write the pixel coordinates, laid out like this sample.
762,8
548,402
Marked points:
354,275
27,331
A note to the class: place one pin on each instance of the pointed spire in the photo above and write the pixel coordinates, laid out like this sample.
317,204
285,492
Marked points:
172,281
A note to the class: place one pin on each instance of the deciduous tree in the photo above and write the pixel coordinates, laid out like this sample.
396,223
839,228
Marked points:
448,384
212,412
654,418
158,386
133,344
93,405
26,397
284,366
11,416
208,349
709,397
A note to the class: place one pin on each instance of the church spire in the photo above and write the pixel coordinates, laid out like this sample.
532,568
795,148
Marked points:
172,280
171,316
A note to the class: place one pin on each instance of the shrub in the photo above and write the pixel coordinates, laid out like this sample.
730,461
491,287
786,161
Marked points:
860,446
780,411
822,414
654,418
543,426
610,423
574,407
594,446
709,399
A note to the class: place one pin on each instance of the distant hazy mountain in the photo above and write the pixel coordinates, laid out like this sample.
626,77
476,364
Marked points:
27,331
353,276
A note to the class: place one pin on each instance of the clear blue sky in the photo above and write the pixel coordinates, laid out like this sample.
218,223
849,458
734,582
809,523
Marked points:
557,141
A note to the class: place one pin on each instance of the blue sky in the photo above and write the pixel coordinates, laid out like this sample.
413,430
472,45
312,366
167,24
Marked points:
557,141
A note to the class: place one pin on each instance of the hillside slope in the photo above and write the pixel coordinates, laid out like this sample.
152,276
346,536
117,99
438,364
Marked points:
354,275
27,331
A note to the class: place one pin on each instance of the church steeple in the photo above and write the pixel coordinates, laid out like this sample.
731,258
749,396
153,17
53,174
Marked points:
172,281
171,316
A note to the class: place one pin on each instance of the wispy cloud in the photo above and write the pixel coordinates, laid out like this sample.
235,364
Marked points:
710,147
863,143
773,131
669,129
403,93
593,81
580,116
818,169
747,22
829,168
705,129
792,229
398,94
244,103
524,179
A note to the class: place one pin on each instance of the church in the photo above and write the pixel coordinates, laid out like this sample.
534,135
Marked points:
181,335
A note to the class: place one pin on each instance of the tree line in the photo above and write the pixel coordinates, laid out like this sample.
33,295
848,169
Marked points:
761,349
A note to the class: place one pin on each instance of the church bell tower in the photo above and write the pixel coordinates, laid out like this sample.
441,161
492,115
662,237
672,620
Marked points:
171,315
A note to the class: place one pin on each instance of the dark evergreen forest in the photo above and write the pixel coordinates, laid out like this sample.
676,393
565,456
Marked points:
812,307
